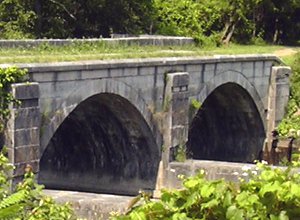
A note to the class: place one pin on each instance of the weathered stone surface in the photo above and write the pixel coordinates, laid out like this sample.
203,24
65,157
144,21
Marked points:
180,79
26,153
22,134
135,40
24,137
23,91
214,170
27,118
145,95
92,206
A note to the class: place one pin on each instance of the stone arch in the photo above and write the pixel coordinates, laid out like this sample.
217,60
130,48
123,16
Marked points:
103,143
229,126
52,118
237,78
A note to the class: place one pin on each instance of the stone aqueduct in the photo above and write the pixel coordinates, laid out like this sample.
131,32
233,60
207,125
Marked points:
109,126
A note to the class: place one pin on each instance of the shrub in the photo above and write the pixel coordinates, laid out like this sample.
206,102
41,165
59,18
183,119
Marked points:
27,200
291,120
268,194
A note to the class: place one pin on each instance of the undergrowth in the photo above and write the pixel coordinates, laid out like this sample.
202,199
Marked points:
268,193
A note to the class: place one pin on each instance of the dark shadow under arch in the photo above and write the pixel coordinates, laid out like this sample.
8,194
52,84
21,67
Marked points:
104,145
228,127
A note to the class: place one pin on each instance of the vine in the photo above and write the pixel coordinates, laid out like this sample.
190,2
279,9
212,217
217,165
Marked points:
7,77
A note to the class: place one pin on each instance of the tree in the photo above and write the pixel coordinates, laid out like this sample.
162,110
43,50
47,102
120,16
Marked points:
93,18
17,19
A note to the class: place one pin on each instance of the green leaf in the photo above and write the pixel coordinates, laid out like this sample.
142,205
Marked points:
210,204
191,183
207,190
233,213
138,215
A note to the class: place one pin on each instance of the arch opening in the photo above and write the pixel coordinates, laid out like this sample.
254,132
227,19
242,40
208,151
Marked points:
104,145
227,127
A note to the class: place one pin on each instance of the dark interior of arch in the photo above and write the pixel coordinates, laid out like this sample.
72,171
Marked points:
104,145
227,127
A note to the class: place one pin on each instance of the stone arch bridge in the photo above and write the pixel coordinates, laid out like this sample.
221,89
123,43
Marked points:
109,126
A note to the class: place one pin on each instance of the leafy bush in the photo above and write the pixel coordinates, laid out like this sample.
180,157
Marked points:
189,18
268,194
7,77
16,20
291,121
27,200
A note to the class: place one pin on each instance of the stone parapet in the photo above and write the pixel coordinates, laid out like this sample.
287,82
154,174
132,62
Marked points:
142,62
142,40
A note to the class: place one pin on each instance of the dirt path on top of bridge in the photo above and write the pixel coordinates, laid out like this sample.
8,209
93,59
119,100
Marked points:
287,51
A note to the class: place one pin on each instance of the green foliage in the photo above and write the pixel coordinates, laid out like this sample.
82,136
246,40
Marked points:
291,122
268,194
7,77
106,51
195,104
210,22
199,20
180,154
178,17
27,201
16,19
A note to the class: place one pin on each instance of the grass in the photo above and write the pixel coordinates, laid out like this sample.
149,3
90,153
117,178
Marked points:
104,51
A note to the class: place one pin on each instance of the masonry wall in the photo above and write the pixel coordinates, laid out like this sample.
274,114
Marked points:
142,81
62,86
23,129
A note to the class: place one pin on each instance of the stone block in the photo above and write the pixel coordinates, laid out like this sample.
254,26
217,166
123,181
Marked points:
248,69
115,72
268,67
207,75
179,135
27,118
94,74
237,66
26,153
42,77
28,103
68,75
282,90
146,70
180,117
259,68
23,137
180,79
130,71
223,67
282,75
194,68
23,91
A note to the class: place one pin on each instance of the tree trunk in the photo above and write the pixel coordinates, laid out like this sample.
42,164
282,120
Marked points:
276,32
38,11
229,35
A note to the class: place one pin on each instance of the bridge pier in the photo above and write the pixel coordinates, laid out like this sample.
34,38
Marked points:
279,91
176,104
175,134
22,136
